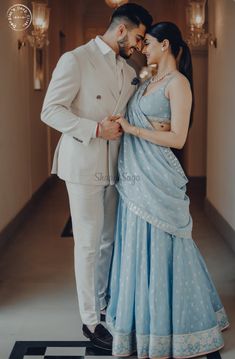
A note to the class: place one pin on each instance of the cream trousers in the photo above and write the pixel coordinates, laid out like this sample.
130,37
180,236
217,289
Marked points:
93,211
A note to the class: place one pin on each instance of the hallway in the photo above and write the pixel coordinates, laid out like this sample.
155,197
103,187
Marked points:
38,298
37,293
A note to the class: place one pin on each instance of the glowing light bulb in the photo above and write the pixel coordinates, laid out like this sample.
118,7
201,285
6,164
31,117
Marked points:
40,22
198,20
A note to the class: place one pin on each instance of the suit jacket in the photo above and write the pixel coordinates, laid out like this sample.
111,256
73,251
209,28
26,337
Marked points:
83,91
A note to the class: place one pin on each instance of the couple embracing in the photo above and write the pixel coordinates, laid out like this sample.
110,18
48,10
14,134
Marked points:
136,264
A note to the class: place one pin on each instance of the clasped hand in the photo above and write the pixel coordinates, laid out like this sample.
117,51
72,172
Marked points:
123,123
112,127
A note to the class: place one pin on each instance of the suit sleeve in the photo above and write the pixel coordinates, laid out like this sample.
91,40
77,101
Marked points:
62,90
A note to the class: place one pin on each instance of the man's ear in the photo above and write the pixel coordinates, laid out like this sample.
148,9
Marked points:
121,30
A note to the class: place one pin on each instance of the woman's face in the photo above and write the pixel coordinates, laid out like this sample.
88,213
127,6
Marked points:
152,49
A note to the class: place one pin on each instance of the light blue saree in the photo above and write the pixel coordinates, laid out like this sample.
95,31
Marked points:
163,302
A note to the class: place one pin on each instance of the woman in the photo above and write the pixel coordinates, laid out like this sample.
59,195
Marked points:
162,300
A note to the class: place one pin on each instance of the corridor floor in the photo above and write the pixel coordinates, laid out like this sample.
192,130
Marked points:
37,287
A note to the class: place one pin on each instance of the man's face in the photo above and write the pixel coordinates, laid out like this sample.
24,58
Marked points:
131,40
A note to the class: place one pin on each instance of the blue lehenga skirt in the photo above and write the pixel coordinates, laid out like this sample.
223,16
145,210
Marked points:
163,302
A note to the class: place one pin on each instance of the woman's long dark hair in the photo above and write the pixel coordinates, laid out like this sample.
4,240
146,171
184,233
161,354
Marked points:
169,31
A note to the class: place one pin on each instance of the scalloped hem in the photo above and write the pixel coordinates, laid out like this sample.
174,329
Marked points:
169,357
184,346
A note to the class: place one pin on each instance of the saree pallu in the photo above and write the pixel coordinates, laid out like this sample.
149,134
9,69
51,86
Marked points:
163,302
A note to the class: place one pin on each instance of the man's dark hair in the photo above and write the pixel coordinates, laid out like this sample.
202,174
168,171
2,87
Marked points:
132,14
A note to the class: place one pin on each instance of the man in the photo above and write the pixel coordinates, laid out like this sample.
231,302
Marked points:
89,86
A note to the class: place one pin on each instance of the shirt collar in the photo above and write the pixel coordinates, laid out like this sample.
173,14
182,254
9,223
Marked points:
106,49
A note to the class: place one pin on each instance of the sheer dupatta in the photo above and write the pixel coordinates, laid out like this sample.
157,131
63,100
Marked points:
151,180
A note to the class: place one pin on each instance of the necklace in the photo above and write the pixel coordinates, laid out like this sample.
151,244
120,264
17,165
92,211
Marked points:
155,79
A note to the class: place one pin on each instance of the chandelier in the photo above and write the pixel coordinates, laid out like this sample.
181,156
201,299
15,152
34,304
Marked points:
195,15
115,3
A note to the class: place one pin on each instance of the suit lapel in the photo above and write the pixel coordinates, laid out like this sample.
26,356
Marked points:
127,89
104,72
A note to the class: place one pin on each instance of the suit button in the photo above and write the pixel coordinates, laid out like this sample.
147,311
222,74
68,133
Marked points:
98,97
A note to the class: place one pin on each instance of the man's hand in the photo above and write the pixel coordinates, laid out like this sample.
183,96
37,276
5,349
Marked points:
109,129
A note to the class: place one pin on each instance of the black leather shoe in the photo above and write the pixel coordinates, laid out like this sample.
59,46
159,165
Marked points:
101,338
214,355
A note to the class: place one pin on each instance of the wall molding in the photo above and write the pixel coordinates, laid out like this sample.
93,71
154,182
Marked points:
9,231
222,226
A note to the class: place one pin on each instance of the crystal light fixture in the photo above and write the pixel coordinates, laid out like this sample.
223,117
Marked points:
41,14
195,15
115,3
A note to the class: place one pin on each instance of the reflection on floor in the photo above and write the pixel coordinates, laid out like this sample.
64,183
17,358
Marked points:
38,300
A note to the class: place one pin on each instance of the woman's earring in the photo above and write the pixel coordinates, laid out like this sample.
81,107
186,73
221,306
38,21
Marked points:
162,48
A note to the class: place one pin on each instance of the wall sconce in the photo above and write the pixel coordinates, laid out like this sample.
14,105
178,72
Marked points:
38,37
195,15
115,3
41,14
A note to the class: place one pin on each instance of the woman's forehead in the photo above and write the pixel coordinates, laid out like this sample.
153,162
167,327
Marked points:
148,37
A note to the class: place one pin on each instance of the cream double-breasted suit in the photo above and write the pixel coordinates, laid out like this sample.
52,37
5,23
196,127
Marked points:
87,85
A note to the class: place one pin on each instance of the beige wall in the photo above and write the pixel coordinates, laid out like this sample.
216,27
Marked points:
68,17
26,144
221,111
23,143
97,13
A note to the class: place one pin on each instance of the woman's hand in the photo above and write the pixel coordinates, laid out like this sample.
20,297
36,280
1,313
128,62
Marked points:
126,127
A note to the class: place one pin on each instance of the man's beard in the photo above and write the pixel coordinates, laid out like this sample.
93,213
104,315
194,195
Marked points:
124,48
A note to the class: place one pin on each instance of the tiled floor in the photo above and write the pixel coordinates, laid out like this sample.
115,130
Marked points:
55,350
37,289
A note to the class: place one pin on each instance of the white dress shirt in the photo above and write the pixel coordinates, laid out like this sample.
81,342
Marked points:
116,62
113,60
